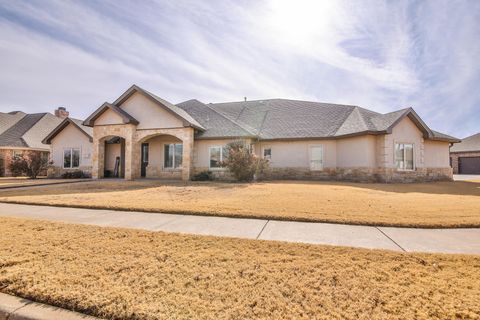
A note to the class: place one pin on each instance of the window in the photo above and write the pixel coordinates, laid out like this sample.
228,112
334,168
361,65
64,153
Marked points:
16,154
217,155
71,158
404,156
173,154
316,158
267,153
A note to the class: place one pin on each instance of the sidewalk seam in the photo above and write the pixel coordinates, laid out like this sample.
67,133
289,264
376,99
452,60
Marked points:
263,228
391,239
14,311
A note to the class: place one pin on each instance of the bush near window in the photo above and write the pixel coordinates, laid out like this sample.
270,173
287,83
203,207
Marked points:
30,164
203,176
77,174
242,162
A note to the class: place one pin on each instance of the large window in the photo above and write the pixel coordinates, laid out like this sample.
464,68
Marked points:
71,158
172,155
404,158
217,155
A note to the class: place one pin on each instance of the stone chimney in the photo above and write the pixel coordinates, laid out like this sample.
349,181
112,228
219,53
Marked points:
61,112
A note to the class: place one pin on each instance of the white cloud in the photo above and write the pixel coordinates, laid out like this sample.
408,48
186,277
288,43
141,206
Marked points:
381,55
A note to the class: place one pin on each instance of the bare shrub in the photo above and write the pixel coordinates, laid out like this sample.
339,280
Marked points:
30,163
242,162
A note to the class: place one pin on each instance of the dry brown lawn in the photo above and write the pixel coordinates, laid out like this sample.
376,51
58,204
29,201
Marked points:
442,204
131,274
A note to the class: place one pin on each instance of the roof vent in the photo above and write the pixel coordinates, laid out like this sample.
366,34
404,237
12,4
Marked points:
245,98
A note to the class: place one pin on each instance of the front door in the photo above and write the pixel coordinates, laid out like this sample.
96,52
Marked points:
144,159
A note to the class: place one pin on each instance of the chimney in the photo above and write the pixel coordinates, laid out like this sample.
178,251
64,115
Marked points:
245,98
61,112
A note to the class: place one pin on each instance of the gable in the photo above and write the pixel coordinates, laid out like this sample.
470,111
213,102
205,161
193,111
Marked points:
68,135
109,117
406,131
150,115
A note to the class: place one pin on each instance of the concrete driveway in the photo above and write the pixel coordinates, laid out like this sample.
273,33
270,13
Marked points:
399,239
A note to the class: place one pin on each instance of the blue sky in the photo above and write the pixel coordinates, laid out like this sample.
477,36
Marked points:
379,55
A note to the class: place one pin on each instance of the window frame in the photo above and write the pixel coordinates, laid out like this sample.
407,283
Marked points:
414,167
263,152
17,154
71,157
310,156
222,149
173,167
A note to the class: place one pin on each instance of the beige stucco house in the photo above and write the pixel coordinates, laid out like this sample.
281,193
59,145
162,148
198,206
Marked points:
142,135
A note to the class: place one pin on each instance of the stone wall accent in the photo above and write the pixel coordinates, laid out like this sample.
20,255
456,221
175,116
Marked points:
133,140
455,155
56,172
169,174
218,174
388,175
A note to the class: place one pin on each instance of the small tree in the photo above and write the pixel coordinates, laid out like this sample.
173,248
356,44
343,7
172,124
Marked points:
30,163
242,162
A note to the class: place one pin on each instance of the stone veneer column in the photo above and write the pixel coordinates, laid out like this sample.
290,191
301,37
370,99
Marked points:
187,161
131,153
98,156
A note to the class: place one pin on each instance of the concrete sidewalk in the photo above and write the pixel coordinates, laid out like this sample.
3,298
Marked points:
399,239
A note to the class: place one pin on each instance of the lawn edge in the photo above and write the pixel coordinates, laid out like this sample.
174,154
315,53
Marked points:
42,184
15,307
246,216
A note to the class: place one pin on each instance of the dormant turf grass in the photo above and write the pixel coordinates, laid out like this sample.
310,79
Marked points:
441,204
131,274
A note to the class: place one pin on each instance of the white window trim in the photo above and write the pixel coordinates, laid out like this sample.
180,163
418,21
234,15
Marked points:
310,156
395,156
210,156
71,157
263,152
173,157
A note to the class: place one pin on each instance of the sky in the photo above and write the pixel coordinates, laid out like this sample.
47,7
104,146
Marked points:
380,55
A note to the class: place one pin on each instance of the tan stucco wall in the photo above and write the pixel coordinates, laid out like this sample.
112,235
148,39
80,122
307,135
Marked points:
108,117
71,137
357,152
201,156
296,154
437,154
404,132
149,114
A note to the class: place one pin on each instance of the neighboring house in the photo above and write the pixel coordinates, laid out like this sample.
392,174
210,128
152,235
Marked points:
142,135
21,132
70,147
465,156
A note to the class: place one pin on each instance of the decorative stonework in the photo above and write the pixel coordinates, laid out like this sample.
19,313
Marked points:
56,172
133,140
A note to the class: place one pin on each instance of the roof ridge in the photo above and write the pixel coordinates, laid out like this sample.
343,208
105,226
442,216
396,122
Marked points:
224,116
297,100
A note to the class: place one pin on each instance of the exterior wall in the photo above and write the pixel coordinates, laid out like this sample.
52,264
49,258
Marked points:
201,157
295,154
437,154
455,155
70,137
108,117
149,114
357,152
156,153
404,132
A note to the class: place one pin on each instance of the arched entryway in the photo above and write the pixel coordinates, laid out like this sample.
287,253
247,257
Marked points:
111,155
161,156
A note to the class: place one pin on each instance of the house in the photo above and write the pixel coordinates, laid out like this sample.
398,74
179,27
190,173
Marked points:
143,135
465,156
21,132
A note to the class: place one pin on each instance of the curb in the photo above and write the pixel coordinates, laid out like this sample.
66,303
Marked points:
15,308
17,186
